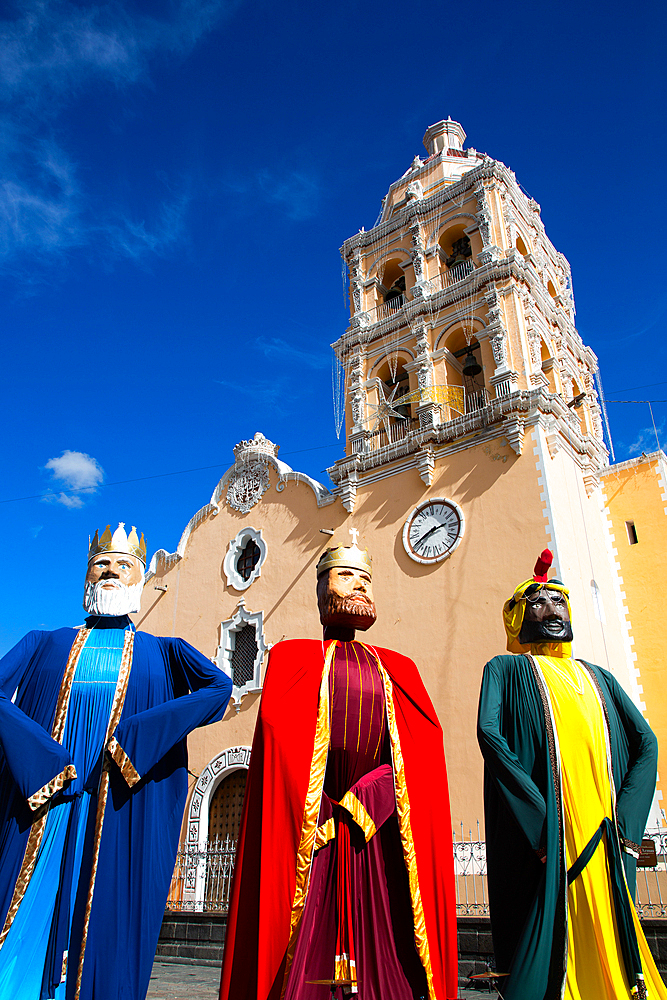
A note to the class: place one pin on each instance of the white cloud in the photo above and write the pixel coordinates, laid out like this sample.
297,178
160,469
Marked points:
73,471
646,440
56,46
134,239
49,54
296,192
274,347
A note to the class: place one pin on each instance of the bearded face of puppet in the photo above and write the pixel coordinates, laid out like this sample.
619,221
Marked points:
546,618
114,582
345,598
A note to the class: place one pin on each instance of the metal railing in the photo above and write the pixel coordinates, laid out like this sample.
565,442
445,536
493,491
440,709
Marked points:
472,898
399,429
202,878
384,309
651,900
445,279
471,885
452,275
391,434
212,867
476,399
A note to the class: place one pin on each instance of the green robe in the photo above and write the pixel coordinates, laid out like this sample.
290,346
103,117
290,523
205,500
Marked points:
524,815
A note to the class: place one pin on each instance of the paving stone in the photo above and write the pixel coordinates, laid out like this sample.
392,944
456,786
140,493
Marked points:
193,982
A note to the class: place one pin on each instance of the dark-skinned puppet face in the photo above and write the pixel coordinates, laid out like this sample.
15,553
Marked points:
345,592
546,617
539,612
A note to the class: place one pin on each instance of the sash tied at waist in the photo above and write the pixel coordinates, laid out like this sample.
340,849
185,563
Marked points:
621,900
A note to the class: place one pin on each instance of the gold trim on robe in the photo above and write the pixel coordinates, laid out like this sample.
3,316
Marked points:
304,857
127,768
103,790
43,794
38,827
325,833
359,815
407,840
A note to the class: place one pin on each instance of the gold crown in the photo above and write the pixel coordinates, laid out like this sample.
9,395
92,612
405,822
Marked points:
345,556
120,541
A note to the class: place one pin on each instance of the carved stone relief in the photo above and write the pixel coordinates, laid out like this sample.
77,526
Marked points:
356,384
356,279
247,486
499,348
483,215
417,251
534,346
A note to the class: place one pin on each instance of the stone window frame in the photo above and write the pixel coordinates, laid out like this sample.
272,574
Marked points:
235,550
223,656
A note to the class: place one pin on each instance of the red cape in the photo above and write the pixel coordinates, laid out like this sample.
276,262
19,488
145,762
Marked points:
271,864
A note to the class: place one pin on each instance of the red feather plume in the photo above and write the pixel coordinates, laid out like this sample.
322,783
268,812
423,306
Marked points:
542,566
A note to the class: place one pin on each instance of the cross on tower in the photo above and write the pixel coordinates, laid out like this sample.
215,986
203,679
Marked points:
355,535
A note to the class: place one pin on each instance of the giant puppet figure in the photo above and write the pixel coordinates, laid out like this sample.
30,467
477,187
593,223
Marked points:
92,787
570,769
344,874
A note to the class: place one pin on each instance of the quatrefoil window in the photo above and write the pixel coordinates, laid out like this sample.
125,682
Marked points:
244,559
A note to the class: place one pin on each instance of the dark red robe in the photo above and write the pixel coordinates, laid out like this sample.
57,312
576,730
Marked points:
283,913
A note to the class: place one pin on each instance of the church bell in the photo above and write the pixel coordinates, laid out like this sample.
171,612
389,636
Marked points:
470,365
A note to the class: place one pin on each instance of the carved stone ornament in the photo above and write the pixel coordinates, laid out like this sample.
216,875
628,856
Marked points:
247,486
499,348
358,403
356,277
535,346
195,847
483,215
417,251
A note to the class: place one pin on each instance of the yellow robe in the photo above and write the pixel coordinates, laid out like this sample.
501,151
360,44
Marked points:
594,962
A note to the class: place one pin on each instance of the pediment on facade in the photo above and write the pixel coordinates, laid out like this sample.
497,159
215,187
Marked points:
241,488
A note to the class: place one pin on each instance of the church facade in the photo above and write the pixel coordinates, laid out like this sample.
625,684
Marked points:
473,440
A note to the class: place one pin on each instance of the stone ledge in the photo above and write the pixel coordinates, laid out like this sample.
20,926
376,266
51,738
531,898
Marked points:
198,939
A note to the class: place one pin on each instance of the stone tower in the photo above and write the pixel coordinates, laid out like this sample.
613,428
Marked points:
462,321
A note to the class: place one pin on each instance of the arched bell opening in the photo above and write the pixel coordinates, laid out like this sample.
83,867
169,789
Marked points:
577,407
398,380
548,365
392,287
455,246
464,368
391,400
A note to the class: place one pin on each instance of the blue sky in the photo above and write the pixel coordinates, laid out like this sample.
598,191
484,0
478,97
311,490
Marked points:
177,179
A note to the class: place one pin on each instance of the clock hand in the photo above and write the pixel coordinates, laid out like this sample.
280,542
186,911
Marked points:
429,532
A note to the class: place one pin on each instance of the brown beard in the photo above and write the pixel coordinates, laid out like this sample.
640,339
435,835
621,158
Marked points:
354,611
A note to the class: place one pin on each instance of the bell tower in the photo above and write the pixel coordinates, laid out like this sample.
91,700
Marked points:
462,324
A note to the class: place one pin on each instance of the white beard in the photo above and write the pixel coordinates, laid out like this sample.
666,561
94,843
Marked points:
99,599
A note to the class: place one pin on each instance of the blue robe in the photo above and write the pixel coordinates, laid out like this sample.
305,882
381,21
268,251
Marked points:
131,831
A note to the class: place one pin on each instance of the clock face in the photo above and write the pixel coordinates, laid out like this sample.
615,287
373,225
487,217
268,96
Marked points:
433,530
